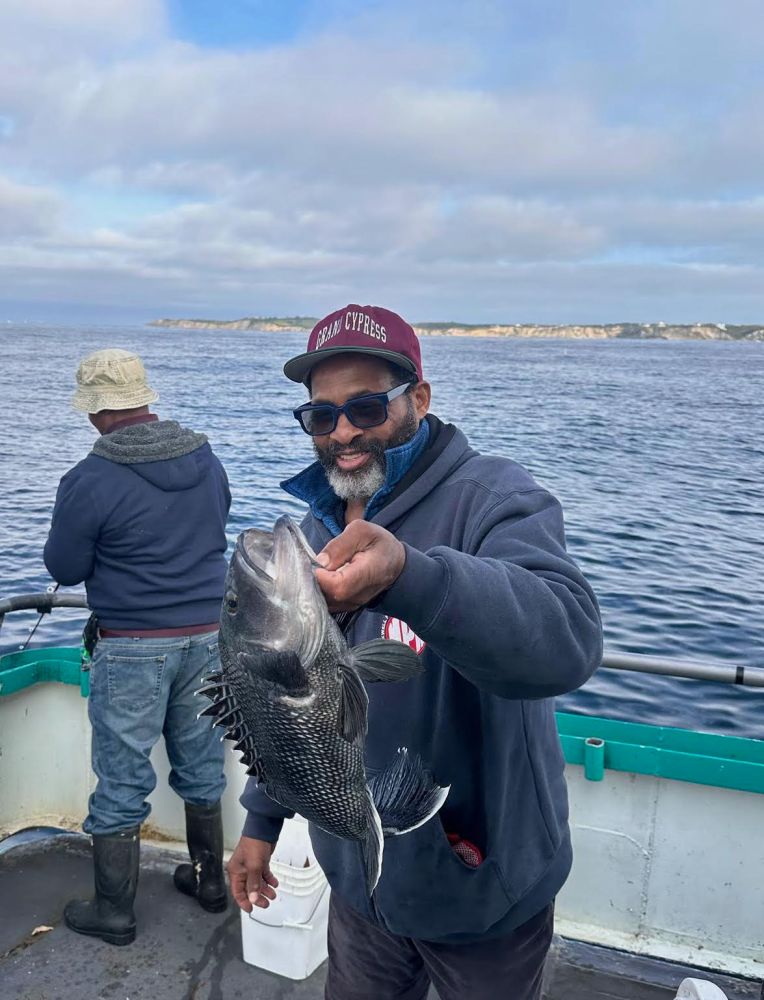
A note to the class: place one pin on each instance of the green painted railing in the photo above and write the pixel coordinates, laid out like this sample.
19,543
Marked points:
31,666
598,745
682,754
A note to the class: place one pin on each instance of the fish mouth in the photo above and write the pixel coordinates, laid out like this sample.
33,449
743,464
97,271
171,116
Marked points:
276,560
279,566
285,525
294,560
262,551
254,548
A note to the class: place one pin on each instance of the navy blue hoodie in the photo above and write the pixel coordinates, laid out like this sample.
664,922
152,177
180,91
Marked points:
141,521
505,621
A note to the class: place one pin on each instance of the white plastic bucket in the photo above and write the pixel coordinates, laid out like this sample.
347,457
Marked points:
273,941
296,899
289,937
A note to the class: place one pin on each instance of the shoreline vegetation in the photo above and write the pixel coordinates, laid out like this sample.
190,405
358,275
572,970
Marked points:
605,331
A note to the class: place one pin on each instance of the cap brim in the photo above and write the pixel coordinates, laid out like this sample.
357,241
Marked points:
298,368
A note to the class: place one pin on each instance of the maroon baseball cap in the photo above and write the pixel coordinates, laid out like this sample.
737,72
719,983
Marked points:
359,330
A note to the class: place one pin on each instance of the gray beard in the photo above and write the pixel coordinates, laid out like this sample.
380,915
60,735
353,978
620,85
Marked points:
361,485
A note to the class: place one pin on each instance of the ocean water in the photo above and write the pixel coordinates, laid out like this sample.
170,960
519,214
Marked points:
654,449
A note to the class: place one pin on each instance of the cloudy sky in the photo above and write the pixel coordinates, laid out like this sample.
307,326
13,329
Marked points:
532,161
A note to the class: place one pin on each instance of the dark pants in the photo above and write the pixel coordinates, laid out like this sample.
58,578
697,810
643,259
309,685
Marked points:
368,963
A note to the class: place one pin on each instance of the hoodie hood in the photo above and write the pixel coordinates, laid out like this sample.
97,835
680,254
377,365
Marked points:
167,455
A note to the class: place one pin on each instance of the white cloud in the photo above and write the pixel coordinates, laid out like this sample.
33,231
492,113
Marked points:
66,29
292,109
720,231
446,168
26,211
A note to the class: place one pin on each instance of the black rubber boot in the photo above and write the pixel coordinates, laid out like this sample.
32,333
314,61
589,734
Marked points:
203,878
109,916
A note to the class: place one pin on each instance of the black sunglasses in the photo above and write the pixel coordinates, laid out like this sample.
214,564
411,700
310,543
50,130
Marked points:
317,419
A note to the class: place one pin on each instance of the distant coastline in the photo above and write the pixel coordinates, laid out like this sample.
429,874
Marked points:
605,331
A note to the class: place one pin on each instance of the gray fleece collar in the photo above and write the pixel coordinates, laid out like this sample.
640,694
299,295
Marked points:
149,442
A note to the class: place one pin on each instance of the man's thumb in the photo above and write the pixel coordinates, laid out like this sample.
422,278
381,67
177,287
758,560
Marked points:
335,553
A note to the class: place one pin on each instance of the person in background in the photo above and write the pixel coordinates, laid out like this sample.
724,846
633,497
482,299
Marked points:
141,520
462,556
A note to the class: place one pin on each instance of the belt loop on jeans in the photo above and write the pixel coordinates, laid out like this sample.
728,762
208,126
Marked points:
156,633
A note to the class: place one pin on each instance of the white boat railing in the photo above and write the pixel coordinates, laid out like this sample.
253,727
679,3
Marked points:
697,670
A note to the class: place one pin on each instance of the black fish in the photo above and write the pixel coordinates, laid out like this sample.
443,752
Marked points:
291,697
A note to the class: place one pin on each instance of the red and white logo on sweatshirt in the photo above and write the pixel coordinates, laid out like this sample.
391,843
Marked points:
394,628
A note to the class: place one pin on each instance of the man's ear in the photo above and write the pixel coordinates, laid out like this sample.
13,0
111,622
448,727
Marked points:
421,394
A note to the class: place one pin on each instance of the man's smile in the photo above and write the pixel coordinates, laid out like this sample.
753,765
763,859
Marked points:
350,460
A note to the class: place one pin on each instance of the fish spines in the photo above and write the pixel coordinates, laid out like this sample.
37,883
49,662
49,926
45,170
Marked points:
211,691
245,743
216,677
237,733
218,693
226,712
231,719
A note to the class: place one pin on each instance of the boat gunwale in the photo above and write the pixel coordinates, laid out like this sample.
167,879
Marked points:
715,759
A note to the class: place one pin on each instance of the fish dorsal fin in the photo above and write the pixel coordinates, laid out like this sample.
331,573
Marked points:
354,702
386,660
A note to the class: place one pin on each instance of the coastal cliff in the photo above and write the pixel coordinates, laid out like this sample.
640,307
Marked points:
632,331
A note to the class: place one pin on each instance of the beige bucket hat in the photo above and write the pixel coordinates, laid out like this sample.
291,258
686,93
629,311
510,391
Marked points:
112,379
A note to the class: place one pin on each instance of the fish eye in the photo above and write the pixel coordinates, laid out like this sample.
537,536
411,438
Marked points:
231,603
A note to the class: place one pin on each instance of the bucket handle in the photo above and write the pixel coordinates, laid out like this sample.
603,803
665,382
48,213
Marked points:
291,923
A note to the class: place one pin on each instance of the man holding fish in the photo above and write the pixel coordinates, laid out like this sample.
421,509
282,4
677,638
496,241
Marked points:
462,557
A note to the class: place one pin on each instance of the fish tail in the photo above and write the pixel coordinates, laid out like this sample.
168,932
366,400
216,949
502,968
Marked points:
405,794
373,845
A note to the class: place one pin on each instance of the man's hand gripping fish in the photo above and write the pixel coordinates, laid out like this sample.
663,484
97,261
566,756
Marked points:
291,697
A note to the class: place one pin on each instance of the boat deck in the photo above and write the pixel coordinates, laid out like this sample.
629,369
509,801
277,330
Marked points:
182,953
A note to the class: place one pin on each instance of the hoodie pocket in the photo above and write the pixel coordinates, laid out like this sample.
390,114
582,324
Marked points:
426,891
531,835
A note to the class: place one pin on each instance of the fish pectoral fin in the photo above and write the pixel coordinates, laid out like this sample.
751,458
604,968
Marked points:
405,795
386,660
279,666
354,702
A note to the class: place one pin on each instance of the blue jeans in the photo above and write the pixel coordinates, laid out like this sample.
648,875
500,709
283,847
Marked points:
139,690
